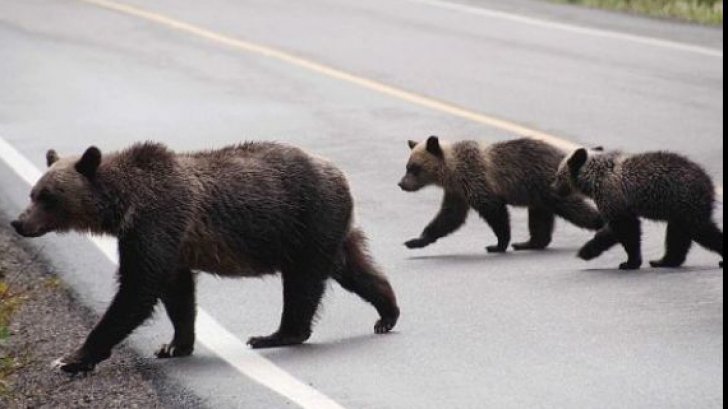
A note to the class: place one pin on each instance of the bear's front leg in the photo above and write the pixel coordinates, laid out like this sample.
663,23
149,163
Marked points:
144,260
179,301
602,241
629,232
81,361
497,216
451,217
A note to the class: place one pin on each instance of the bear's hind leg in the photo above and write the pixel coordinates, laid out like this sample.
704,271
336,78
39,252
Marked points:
711,237
629,233
302,293
541,226
360,275
677,246
179,301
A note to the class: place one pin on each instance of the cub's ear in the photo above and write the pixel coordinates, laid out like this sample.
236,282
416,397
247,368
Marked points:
51,157
433,147
89,162
577,160
412,144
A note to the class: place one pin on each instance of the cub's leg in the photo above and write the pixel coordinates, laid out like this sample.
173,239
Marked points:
629,233
497,216
579,212
452,216
179,301
302,293
360,275
604,240
677,245
541,226
711,237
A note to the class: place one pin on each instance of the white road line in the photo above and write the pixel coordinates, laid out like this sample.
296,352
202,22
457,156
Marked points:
209,332
594,32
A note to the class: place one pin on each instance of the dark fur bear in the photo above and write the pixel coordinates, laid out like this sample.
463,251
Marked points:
658,186
488,178
242,211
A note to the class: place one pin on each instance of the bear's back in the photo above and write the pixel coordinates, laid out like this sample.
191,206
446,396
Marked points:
258,203
522,170
664,185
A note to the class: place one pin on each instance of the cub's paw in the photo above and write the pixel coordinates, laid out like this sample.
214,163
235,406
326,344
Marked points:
529,245
630,266
277,341
497,249
664,263
418,243
168,351
589,252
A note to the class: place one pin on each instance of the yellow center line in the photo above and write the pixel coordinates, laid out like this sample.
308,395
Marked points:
376,86
328,71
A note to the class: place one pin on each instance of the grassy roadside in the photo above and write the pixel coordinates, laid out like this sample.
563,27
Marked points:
10,301
708,12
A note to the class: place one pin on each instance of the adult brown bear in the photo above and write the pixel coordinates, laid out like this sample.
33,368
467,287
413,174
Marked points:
247,210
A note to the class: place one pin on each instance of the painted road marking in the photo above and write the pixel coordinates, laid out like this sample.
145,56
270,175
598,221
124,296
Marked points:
572,28
372,85
331,72
209,332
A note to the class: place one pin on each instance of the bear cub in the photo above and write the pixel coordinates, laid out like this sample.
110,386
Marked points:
242,211
658,186
488,178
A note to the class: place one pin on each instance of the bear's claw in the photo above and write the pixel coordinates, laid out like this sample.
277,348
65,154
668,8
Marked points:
72,368
418,243
168,351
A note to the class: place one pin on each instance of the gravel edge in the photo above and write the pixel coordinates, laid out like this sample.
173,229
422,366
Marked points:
49,324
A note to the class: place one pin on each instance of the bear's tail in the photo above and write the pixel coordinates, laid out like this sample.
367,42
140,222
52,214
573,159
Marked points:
361,276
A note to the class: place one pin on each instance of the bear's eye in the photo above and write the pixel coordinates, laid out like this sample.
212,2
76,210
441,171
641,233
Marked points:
47,198
414,170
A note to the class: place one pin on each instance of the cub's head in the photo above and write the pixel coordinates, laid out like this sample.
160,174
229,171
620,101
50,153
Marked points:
63,198
426,165
566,177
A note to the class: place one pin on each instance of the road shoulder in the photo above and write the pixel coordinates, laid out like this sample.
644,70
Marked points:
48,324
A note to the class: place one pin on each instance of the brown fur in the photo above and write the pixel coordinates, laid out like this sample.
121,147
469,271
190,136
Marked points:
661,186
487,178
246,210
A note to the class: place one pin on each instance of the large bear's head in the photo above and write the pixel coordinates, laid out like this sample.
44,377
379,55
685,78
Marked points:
63,199
426,165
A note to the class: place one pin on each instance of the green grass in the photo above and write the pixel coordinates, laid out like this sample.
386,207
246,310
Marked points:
696,11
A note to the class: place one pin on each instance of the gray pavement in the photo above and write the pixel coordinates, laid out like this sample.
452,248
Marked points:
534,330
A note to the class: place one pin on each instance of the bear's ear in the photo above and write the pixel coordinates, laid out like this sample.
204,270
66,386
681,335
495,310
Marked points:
412,144
89,162
433,147
51,157
577,160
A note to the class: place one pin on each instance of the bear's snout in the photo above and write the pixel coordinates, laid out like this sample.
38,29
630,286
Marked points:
18,226
25,231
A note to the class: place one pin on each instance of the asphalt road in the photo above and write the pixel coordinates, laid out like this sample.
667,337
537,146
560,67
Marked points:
532,330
